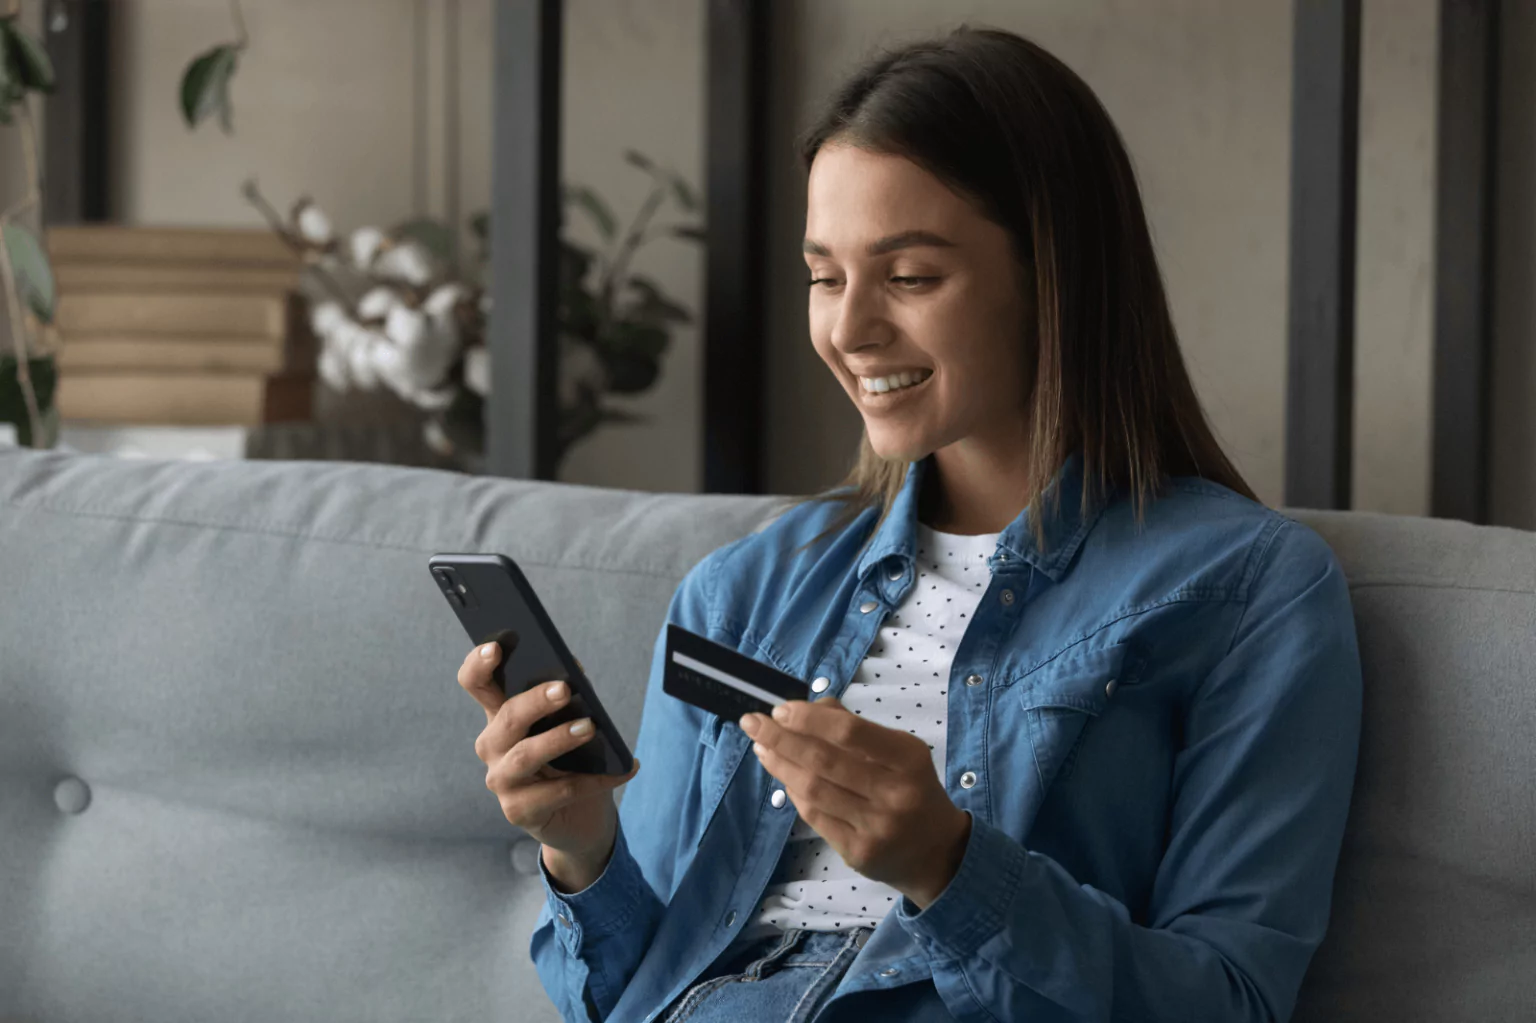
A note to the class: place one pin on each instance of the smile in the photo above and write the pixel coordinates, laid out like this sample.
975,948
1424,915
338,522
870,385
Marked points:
894,382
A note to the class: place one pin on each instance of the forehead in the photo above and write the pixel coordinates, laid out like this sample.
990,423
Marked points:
854,195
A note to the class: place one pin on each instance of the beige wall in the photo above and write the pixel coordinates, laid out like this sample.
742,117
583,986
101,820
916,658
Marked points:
1200,89
324,101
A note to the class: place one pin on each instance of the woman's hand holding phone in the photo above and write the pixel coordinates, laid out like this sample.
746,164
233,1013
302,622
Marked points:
571,815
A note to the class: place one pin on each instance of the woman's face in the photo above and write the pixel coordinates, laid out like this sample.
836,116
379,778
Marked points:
915,305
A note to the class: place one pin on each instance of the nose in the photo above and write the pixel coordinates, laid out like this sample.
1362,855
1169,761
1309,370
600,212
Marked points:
861,321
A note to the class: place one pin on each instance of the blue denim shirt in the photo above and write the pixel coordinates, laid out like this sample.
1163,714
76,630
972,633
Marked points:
1163,721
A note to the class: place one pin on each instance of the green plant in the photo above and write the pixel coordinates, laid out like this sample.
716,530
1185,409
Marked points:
27,371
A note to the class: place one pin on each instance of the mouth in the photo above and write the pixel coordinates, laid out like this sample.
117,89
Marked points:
880,392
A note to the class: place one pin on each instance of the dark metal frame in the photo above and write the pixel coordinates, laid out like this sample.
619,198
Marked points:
522,413
1464,238
75,140
735,363
1325,133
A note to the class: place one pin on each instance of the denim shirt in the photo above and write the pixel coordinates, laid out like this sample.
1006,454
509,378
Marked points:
1157,725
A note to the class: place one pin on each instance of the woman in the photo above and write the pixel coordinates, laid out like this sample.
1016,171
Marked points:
1086,713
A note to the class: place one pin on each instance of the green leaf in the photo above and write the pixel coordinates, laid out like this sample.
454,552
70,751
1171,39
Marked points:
589,201
205,86
613,415
34,275
434,235
654,308
686,197
13,404
29,60
640,160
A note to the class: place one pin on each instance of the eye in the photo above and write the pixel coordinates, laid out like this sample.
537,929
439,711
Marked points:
828,281
912,283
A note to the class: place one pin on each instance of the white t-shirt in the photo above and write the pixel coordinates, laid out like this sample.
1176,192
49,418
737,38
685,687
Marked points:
902,683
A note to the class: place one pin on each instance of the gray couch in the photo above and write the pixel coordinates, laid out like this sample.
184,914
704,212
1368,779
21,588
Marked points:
237,781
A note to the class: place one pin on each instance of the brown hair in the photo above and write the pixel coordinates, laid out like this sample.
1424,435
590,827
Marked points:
1016,132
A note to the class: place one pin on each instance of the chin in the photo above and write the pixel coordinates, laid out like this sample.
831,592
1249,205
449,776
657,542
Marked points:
896,447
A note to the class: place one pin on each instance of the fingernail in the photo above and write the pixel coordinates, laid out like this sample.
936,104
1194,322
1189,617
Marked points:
582,727
488,650
759,748
780,712
748,724
555,690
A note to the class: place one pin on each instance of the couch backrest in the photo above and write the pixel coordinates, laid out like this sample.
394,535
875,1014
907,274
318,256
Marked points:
237,782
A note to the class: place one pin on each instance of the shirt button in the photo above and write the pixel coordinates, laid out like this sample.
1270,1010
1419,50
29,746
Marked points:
777,799
889,971
973,680
968,780
820,685
730,918
564,920
1006,596
894,573
1111,686
867,606
1002,555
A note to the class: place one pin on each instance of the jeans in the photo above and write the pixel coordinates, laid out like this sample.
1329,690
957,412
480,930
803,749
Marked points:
777,980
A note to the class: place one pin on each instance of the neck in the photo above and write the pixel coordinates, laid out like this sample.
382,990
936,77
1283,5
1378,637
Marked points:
973,489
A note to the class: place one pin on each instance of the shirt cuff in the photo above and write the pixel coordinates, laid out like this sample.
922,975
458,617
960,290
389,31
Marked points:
975,905
604,907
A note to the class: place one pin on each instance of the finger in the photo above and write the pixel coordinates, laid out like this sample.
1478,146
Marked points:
511,724
475,677
535,801
840,834
524,760
829,720
849,769
810,789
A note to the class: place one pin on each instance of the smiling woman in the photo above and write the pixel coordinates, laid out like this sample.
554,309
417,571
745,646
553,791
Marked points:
1086,712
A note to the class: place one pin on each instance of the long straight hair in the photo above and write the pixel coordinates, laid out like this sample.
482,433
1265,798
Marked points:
1013,130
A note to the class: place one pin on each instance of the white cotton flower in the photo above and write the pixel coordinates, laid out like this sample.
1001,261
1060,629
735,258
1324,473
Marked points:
326,317
376,303
434,401
313,225
333,370
364,246
477,370
444,300
407,261
363,356
406,327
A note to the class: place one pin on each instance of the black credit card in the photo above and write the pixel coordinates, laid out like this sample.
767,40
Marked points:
720,680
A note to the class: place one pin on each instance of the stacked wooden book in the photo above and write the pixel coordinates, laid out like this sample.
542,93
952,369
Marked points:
180,326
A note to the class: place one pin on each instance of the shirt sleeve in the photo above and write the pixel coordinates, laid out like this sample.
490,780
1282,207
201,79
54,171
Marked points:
1241,898
587,945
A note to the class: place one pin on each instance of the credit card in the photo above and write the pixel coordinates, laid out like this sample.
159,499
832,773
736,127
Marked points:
720,680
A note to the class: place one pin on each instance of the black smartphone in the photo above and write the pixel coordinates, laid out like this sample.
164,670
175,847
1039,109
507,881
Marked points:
495,603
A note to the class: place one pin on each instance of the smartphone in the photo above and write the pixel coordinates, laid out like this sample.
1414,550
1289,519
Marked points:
495,603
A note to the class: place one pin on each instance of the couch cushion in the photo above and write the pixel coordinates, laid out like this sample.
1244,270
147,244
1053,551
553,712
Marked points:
1434,912
251,671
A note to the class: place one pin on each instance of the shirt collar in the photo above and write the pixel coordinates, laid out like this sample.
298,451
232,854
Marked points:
1065,531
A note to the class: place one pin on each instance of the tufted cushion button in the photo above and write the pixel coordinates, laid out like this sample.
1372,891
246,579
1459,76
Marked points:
72,795
525,857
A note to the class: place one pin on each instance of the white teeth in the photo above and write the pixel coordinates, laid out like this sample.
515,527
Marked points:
894,382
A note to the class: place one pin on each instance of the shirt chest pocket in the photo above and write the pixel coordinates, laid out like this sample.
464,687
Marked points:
1061,700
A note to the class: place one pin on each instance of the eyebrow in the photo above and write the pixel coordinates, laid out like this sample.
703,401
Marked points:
890,243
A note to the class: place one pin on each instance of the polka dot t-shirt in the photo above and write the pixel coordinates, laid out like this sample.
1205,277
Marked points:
902,683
